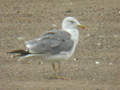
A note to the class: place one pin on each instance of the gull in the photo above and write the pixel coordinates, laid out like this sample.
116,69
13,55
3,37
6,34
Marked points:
56,45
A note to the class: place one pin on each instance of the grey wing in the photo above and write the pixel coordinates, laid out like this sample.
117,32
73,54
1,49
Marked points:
52,42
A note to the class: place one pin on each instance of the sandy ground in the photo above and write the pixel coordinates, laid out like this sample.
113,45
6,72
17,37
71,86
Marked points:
95,64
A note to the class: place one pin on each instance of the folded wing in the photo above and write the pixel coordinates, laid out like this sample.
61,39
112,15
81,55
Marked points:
52,42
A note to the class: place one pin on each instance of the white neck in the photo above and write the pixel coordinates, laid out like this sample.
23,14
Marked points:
74,33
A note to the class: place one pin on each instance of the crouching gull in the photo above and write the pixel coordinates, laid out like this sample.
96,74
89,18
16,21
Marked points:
56,45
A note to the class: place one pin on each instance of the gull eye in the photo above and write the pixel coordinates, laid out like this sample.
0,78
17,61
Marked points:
72,22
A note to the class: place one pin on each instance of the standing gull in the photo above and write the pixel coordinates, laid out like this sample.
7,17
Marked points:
56,45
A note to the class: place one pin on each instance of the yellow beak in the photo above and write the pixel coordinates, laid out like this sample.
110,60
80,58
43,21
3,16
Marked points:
82,26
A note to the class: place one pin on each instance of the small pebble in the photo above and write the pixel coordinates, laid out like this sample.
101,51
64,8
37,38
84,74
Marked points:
75,59
71,3
115,36
97,62
110,63
119,12
88,35
54,25
40,62
68,11
20,38
100,36
99,44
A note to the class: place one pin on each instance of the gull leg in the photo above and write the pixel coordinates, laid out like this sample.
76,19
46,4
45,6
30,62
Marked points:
56,76
54,73
53,66
59,71
59,67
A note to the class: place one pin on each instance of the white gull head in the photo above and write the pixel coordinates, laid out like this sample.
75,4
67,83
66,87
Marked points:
70,23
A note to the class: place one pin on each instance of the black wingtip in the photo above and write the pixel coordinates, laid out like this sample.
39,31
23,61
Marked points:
20,52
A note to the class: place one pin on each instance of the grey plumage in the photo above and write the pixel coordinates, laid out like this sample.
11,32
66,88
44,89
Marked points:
52,42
